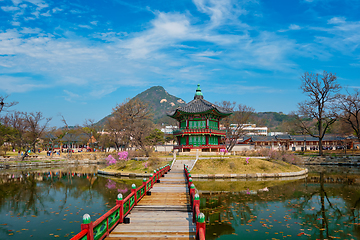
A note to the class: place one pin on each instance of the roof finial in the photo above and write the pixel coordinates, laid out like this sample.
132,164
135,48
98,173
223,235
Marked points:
198,93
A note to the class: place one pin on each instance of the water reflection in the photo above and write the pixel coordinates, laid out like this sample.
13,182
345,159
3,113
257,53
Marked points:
317,207
50,203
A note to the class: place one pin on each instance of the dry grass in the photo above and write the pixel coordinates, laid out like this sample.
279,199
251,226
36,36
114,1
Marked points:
239,166
133,166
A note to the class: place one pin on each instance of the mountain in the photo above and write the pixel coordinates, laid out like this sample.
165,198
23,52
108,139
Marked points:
160,101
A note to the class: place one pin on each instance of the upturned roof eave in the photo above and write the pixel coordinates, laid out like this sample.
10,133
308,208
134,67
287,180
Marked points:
180,112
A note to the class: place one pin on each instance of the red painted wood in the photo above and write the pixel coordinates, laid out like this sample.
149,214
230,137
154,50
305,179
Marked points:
103,217
89,227
201,233
80,235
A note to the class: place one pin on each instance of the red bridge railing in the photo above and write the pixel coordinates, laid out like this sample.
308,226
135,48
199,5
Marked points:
101,228
198,217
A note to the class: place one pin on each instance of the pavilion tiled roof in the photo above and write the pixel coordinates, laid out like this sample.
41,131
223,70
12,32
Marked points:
198,105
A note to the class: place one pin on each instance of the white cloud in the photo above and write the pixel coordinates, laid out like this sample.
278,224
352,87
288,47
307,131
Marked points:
84,26
14,23
70,96
9,8
94,23
46,14
337,20
207,53
294,27
10,84
220,11
345,35
56,9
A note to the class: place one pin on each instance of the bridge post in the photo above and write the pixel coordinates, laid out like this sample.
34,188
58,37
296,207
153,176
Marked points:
120,203
196,204
143,185
133,190
192,191
200,227
155,176
87,224
158,175
152,179
189,183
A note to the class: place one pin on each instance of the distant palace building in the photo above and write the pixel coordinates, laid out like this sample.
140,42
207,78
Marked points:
199,125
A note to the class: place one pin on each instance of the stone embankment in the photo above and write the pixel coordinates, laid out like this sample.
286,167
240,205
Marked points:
332,160
252,175
44,162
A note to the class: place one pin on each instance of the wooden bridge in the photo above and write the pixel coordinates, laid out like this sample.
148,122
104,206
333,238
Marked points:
167,210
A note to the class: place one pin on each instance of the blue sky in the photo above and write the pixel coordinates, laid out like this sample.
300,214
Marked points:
81,58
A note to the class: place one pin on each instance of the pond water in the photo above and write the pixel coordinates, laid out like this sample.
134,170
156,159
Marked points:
321,206
47,203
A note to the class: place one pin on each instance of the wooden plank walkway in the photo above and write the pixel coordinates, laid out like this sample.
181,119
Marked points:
165,214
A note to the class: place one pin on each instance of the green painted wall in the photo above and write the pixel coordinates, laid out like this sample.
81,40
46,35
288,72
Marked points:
183,141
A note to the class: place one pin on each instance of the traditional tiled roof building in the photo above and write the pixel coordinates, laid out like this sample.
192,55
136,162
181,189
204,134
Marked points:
297,142
199,124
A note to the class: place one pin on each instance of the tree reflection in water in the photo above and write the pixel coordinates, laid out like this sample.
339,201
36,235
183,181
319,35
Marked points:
319,209
52,202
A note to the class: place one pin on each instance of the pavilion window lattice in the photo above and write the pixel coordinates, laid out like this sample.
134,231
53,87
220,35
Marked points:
197,140
197,124
213,125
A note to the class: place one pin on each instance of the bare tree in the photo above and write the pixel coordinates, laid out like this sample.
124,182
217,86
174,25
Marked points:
5,105
134,122
16,121
90,129
234,124
34,127
116,132
71,135
349,106
322,93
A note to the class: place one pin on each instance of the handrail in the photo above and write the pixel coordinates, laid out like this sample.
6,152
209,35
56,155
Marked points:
173,161
80,235
198,217
102,226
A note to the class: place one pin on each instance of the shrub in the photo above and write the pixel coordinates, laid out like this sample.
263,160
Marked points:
263,166
232,165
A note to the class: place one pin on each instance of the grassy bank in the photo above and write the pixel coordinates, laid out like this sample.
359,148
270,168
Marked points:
236,165
133,166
